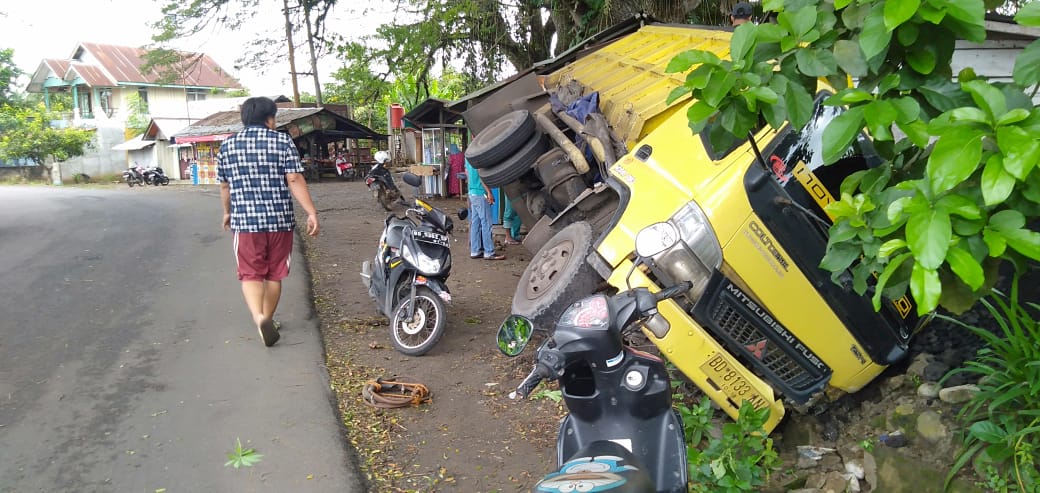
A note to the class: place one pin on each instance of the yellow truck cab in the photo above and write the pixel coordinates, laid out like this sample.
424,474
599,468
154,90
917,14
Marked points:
763,322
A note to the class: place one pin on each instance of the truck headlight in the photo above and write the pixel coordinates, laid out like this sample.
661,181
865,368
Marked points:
427,265
697,255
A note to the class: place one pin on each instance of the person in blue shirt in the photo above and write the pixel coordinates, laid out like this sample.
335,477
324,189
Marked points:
481,244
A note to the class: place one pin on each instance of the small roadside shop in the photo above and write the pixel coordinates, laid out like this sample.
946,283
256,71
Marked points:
321,135
444,140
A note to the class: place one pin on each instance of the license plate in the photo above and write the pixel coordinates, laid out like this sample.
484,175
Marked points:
429,237
727,379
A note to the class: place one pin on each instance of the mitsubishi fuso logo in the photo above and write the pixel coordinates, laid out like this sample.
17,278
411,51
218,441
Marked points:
767,243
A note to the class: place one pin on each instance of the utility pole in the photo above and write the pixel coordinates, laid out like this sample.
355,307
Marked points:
292,53
310,42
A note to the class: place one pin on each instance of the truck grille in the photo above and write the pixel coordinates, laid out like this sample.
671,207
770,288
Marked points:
749,332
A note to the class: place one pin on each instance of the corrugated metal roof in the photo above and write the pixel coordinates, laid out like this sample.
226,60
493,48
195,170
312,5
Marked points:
59,67
630,73
229,122
164,128
123,64
92,74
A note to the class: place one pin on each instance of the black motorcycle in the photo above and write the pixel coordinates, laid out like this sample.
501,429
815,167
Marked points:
381,183
621,434
134,176
407,277
156,176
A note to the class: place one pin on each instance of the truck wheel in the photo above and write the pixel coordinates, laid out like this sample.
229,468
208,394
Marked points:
499,139
509,170
556,277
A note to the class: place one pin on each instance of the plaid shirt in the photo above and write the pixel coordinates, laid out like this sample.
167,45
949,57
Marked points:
254,163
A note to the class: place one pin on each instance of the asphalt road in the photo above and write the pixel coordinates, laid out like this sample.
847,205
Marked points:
128,361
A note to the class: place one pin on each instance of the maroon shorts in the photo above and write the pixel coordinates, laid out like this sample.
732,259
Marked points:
263,256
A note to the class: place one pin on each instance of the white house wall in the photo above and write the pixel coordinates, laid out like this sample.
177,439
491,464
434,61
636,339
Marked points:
101,159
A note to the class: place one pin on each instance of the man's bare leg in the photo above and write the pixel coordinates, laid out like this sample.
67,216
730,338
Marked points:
254,294
272,293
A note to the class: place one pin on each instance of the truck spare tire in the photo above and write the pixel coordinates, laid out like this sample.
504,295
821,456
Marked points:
556,277
515,166
499,139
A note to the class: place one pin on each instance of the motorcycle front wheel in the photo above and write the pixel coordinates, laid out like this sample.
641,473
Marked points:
164,181
417,336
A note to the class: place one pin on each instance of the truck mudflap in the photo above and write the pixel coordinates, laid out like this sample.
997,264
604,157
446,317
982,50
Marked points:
692,349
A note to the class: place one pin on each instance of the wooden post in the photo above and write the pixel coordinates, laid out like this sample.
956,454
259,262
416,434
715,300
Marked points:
292,54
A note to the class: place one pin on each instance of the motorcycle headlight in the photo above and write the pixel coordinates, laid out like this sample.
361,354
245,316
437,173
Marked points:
696,255
427,265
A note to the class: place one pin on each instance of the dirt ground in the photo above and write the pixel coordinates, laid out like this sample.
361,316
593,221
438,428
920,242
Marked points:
471,437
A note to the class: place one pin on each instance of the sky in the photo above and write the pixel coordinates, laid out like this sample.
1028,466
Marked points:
51,30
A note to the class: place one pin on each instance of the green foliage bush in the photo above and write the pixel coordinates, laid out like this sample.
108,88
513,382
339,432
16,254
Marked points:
1002,421
741,459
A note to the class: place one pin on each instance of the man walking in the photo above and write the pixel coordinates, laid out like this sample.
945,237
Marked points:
258,168
481,243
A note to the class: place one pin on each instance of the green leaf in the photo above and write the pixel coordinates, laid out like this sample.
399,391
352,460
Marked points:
959,205
890,269
1014,116
742,41
891,246
880,115
764,94
916,131
840,4
899,11
1029,14
799,104
1007,220
928,235
769,33
1024,241
954,158
799,22
848,96
987,97
907,109
700,112
908,34
926,288
850,58
987,431
1021,151
840,256
971,16
874,38
683,61
676,94
969,114
840,132
815,62
966,267
772,5
719,86
700,76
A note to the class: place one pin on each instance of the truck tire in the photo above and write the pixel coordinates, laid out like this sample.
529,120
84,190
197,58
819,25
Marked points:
499,139
556,277
509,170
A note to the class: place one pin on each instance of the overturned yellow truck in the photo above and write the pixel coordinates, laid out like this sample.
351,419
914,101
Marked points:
589,154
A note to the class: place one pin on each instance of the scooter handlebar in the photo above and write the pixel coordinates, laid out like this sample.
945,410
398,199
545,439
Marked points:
536,376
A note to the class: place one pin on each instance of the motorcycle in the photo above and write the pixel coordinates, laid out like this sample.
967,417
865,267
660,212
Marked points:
621,433
156,176
134,176
381,183
407,276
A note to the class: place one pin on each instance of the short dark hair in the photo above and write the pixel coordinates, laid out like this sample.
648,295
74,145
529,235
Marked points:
255,111
742,10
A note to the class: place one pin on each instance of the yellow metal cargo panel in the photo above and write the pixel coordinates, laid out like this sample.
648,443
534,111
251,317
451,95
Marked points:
629,74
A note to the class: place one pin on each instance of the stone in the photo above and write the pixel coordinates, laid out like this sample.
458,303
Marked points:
815,481
959,394
929,390
814,453
895,383
831,462
805,490
834,482
870,475
805,462
934,371
855,468
931,428
920,362
852,482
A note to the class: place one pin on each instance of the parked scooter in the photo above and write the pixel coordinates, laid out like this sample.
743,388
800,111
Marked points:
156,176
134,176
407,277
381,183
622,434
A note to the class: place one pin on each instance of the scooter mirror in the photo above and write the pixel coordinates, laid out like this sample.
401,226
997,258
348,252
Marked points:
514,334
655,239
412,179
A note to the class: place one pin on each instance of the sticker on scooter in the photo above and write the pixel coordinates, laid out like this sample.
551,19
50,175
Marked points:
587,474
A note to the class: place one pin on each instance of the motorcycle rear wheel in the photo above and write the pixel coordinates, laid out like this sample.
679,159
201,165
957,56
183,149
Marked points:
384,199
164,181
419,335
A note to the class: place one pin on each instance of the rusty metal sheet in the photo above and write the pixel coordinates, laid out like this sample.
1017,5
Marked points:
123,64
630,74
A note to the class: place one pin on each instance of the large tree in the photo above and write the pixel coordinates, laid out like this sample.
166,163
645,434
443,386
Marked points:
26,133
9,74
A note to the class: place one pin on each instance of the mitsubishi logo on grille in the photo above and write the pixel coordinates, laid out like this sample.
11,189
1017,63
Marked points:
757,349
